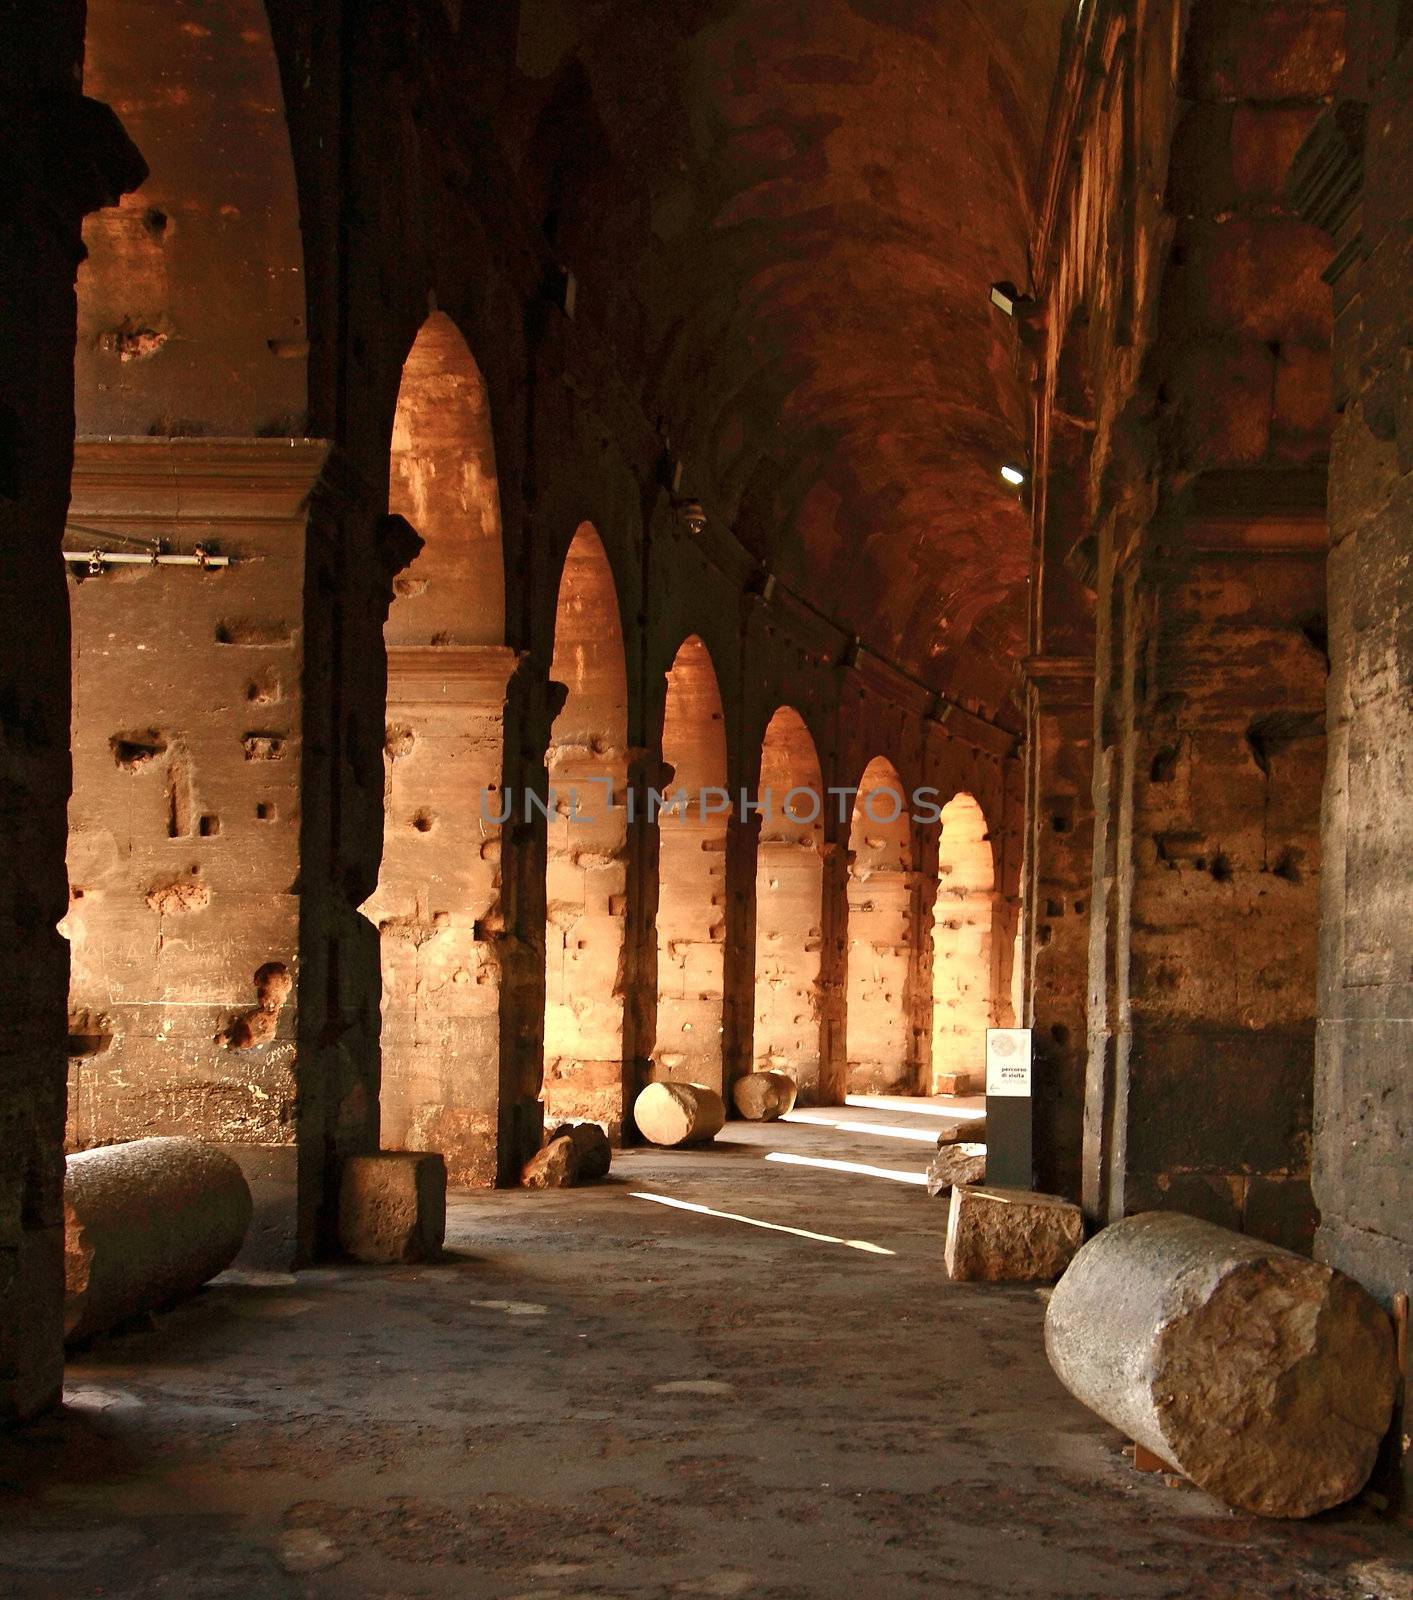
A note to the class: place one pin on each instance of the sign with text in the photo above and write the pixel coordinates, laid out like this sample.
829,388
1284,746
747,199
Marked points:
1008,1061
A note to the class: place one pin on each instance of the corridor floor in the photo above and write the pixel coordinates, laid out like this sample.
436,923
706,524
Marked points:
598,1394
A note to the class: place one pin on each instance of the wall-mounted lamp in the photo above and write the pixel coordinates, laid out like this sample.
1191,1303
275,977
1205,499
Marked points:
1013,475
692,517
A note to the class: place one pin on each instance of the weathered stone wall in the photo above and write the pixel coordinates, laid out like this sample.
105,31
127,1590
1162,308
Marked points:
1183,414
185,822
1353,179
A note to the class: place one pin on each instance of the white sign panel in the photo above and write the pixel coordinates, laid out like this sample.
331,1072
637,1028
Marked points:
1008,1061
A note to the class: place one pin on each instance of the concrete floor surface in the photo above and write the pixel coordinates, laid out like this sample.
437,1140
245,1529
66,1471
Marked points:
599,1395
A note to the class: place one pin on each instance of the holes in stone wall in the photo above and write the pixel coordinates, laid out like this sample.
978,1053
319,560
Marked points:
134,751
181,801
253,634
1290,865
273,987
263,746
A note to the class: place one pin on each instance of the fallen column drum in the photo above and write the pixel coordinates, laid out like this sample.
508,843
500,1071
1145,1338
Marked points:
146,1223
679,1113
1265,1378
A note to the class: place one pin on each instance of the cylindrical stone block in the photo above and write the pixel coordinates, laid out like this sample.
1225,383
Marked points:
764,1096
1265,1378
145,1224
679,1113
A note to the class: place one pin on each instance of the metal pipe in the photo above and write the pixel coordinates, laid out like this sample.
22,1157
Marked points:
96,560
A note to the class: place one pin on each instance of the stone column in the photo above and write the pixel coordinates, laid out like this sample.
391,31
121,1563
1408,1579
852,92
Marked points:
439,907
65,156
1352,179
1058,862
1206,854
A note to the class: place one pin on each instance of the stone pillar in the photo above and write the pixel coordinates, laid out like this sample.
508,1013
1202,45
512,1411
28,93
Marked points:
1058,862
191,781
515,929
65,156
1206,853
438,907
1352,179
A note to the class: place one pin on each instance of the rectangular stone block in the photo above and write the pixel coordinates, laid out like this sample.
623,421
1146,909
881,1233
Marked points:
957,1083
996,1235
392,1206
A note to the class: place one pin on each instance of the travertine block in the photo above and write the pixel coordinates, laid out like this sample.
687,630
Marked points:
392,1206
954,1164
593,1155
999,1234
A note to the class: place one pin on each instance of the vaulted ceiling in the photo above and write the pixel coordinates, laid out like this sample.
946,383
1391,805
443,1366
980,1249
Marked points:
787,214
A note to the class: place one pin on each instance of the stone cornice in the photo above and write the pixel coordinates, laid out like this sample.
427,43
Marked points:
1249,511
129,484
1067,677
449,674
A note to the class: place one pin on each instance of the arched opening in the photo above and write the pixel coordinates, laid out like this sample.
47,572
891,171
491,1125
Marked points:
191,300
438,896
880,1053
587,837
789,890
963,1006
184,837
691,910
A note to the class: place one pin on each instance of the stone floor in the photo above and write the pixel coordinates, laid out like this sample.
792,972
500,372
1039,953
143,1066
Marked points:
599,1395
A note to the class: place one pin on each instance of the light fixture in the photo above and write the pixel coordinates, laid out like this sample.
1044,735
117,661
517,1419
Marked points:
1013,475
692,517
1006,297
